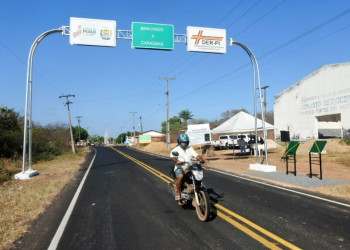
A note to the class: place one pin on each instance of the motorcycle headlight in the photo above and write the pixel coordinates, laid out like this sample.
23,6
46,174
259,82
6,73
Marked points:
198,175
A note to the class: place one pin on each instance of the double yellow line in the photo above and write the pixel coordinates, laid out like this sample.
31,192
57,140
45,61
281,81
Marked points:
157,173
258,233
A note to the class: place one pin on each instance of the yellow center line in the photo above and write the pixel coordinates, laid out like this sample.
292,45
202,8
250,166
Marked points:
246,230
157,173
258,228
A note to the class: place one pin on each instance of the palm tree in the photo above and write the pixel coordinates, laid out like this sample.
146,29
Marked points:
185,115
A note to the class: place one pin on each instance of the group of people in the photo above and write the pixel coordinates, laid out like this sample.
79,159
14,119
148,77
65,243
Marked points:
243,144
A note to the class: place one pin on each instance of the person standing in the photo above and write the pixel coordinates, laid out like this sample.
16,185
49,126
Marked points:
241,144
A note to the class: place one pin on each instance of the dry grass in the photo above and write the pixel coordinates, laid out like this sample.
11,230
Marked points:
341,191
24,201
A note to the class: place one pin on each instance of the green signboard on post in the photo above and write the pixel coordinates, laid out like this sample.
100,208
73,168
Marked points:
318,147
145,139
152,36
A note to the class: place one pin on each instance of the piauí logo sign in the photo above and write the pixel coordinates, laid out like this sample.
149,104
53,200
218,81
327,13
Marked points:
106,34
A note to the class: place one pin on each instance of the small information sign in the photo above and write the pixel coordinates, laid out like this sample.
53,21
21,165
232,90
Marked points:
152,36
145,139
92,32
206,40
198,133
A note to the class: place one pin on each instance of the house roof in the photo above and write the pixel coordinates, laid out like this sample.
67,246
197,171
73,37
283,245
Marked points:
153,133
241,122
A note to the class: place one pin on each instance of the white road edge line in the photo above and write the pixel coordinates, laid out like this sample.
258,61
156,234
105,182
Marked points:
286,189
55,240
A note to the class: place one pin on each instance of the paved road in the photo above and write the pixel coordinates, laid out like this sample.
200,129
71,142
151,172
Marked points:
125,204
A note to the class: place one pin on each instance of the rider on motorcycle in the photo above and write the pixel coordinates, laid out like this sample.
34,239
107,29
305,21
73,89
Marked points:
186,153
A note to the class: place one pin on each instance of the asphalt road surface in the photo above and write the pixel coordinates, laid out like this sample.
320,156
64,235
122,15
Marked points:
125,204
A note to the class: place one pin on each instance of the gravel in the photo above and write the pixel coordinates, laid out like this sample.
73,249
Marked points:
299,180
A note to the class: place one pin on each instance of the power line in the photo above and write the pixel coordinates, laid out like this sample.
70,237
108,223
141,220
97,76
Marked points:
308,44
261,17
228,13
246,28
268,53
252,7
181,59
178,62
25,63
305,33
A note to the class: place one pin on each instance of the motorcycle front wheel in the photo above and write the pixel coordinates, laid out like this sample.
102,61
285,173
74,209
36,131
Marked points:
203,208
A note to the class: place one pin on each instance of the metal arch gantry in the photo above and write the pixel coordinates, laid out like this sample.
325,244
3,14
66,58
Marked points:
121,34
127,35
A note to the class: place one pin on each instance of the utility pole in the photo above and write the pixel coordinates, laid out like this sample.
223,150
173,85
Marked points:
167,109
141,125
78,117
121,135
265,103
133,126
70,121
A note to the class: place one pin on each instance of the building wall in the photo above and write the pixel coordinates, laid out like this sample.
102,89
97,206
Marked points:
323,92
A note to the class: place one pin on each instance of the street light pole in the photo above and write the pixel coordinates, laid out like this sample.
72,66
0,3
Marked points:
133,126
141,125
121,135
265,103
27,126
256,74
167,109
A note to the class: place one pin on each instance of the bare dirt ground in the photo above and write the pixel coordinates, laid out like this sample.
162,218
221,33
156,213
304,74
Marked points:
335,163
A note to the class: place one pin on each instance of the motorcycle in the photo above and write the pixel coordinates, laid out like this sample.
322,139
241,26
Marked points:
192,189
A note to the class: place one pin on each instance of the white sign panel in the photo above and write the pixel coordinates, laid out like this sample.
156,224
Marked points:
92,32
206,40
198,133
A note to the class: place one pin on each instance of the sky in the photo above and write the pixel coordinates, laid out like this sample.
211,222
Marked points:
290,40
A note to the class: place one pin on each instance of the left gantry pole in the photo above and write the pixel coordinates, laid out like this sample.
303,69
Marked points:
27,129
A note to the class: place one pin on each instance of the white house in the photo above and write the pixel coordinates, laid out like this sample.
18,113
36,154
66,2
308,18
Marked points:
318,106
156,136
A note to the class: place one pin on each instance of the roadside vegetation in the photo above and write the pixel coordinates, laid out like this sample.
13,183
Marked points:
48,142
23,201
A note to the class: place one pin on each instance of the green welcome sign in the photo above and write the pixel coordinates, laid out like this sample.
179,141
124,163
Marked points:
152,36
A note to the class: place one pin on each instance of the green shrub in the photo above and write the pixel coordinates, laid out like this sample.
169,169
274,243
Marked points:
5,175
347,141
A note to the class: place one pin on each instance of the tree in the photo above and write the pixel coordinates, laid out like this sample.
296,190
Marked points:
229,113
83,134
10,133
185,115
174,125
121,137
199,121
269,118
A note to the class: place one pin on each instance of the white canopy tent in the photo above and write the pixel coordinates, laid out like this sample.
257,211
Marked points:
241,122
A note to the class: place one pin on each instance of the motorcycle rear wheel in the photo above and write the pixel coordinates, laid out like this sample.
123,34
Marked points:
203,208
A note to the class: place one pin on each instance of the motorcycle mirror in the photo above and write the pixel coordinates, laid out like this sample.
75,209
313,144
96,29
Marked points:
204,151
175,153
